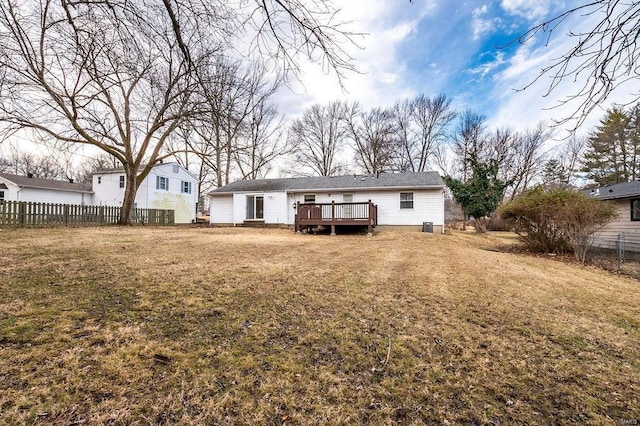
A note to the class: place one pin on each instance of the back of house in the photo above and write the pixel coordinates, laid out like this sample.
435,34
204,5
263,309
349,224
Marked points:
402,200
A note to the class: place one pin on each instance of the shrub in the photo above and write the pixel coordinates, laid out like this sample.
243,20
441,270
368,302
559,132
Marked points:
557,220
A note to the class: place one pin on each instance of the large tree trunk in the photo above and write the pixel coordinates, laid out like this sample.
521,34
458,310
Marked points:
131,188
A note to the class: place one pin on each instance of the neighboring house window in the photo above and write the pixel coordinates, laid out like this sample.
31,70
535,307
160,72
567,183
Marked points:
121,182
406,200
635,209
176,168
162,183
1,196
99,180
309,198
186,187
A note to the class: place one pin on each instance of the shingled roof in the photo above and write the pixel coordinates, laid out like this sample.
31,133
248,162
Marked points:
326,183
618,190
56,185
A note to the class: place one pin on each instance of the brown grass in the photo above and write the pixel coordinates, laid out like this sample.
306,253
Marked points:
237,326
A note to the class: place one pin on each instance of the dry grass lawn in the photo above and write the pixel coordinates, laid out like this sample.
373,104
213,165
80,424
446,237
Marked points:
237,326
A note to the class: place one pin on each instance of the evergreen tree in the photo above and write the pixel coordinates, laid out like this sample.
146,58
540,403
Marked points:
480,195
554,174
613,148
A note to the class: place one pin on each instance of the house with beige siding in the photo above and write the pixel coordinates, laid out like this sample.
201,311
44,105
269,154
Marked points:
384,200
626,197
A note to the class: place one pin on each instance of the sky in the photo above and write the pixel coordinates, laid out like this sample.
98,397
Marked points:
463,49
459,48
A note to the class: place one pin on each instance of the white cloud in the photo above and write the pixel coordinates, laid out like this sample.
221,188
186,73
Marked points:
488,67
530,9
379,80
481,25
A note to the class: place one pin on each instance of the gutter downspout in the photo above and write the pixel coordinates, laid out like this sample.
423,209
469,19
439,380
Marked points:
443,207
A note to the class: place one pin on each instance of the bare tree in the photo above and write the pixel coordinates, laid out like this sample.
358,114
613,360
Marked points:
605,56
469,141
262,142
372,134
236,133
403,161
28,164
107,75
316,138
431,118
121,75
421,125
519,156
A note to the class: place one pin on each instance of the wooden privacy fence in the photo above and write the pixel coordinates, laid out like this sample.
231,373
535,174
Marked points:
22,214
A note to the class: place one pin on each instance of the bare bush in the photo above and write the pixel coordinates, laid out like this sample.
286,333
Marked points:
558,220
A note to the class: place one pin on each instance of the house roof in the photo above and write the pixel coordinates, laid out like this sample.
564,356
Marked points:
56,185
350,182
120,170
618,190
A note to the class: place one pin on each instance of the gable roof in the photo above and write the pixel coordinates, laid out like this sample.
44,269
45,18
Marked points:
56,185
351,182
618,190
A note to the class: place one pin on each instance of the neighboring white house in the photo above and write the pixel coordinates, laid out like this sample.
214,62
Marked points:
626,198
404,200
32,189
168,186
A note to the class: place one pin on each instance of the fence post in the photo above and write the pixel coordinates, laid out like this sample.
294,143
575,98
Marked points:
620,250
22,213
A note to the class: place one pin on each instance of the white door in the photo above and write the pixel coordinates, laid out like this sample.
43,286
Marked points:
347,210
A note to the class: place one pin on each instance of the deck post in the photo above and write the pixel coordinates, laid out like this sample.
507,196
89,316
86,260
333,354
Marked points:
333,217
296,217
369,227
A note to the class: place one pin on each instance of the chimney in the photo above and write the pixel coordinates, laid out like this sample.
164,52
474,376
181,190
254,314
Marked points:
30,175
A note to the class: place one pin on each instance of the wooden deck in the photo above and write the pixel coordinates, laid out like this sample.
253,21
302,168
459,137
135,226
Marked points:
335,214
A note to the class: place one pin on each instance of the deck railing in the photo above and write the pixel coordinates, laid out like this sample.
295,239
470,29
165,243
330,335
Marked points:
22,214
332,214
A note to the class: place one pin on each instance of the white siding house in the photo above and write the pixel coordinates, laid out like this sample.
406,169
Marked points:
168,186
32,189
403,200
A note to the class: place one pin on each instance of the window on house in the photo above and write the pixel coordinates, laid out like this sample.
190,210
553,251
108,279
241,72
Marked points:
406,200
99,180
309,198
121,182
162,183
1,196
186,187
176,168
635,209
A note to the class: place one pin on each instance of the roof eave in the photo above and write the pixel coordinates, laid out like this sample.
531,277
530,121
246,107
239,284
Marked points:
55,189
372,188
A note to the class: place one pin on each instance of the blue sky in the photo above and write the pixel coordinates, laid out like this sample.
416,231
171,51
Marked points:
456,48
